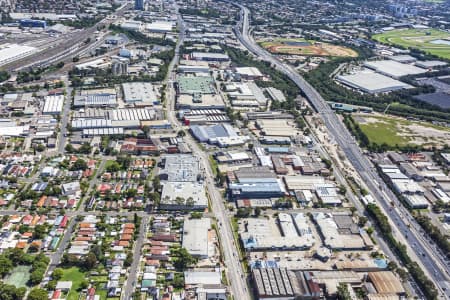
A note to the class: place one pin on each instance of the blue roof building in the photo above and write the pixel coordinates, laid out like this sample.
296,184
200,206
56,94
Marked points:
33,23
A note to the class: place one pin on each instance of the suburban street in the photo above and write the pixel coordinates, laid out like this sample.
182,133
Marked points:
432,261
137,252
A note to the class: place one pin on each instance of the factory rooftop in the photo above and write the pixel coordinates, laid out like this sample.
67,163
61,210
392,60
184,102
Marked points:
181,168
371,82
196,84
393,69
139,93
195,236
183,195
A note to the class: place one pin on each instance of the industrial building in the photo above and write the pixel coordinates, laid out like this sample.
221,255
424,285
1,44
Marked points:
416,201
293,233
183,196
277,127
393,69
33,23
249,73
371,82
255,183
180,168
340,233
223,135
282,284
245,94
53,105
139,4
197,92
96,98
275,94
210,56
160,27
385,283
139,93
13,52
195,237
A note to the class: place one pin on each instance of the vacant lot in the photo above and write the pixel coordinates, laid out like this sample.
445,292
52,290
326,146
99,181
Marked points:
308,48
432,41
397,131
19,276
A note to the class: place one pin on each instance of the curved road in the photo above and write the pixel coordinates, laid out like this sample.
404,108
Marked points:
428,255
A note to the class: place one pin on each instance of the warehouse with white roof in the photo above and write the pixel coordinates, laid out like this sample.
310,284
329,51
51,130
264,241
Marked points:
53,105
139,93
371,82
195,237
13,52
393,69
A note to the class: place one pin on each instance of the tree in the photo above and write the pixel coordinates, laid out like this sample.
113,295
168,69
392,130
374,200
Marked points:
79,164
113,167
36,276
37,294
39,231
342,292
85,148
57,274
90,261
184,260
128,260
5,265
257,212
190,201
392,265
156,183
362,221
84,284
178,281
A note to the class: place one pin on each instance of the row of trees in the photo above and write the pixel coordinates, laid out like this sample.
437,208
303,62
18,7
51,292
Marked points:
425,284
434,232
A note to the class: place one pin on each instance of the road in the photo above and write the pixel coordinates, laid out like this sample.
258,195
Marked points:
432,261
134,268
234,268
62,138
55,258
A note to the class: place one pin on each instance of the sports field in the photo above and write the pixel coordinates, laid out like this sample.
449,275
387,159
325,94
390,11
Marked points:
307,48
19,276
398,131
433,41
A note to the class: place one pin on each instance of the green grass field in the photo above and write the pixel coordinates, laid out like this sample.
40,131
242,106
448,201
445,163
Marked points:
76,276
401,132
384,132
417,38
19,276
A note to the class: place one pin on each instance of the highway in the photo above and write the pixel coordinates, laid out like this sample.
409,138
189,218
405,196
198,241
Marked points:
431,259
233,267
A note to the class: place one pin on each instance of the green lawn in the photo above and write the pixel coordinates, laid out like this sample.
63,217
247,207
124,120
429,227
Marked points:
19,276
417,38
392,131
381,132
101,292
76,276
